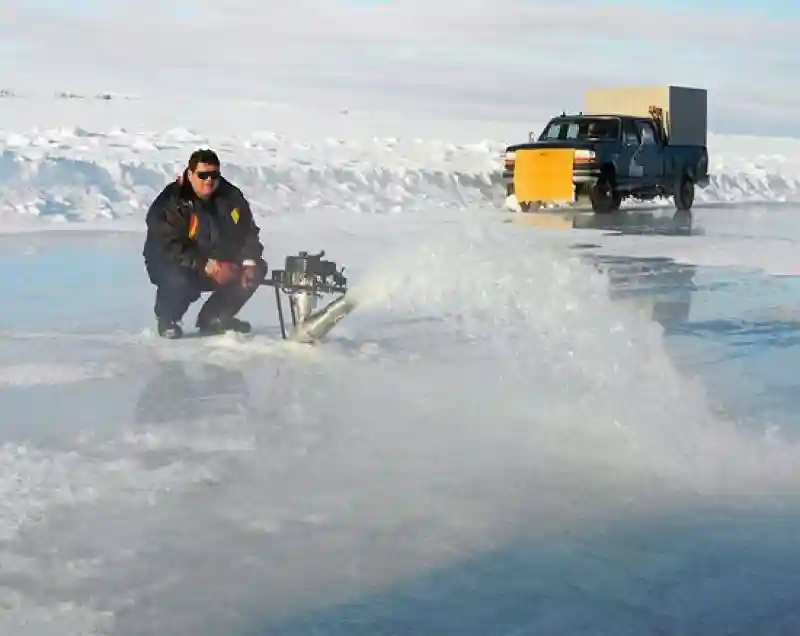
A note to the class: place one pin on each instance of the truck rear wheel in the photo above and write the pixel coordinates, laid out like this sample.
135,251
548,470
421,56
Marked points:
684,194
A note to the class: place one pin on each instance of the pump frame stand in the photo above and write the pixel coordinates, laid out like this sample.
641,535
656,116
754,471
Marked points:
305,276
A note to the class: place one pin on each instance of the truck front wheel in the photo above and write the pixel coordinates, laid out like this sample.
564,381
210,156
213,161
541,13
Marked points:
684,194
604,196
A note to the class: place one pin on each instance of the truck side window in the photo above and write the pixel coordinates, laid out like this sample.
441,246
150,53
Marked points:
648,133
629,133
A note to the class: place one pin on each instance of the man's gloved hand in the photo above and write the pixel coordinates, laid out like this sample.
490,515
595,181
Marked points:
250,273
222,272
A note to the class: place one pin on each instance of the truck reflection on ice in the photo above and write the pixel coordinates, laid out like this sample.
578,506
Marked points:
636,222
658,285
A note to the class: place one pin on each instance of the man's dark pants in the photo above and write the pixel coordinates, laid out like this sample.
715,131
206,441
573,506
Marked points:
177,287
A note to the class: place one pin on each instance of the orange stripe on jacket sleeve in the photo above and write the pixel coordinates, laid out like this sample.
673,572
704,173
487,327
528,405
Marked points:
193,223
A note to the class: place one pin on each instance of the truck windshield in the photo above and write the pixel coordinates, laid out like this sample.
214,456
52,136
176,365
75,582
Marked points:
581,128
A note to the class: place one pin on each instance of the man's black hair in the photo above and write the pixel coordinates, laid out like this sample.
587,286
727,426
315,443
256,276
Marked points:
203,155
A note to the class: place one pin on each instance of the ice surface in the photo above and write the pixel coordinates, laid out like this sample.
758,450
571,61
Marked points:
520,430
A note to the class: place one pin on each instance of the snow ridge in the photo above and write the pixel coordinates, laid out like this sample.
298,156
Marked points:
78,175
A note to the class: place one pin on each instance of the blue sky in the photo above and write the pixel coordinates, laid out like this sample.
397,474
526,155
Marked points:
100,8
772,8
481,57
80,7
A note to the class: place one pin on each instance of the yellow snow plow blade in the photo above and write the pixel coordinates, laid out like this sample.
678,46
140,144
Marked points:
544,175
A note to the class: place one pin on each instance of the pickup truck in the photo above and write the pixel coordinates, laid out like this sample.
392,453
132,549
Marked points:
613,157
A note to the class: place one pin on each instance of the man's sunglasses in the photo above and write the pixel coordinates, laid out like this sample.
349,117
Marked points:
204,175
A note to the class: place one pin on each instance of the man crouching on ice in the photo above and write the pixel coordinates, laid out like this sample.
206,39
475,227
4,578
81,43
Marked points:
201,236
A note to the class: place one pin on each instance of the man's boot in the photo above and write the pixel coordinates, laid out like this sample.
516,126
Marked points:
216,325
169,329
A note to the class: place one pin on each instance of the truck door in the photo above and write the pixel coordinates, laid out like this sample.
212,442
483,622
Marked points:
651,153
629,167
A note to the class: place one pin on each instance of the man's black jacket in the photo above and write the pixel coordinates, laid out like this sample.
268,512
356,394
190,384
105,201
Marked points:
183,229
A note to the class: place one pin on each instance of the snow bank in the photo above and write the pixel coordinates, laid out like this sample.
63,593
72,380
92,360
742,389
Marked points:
78,175
74,174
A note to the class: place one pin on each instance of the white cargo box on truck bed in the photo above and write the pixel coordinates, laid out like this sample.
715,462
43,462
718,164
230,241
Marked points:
685,110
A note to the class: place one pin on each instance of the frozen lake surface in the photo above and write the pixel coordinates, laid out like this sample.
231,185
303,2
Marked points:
572,441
